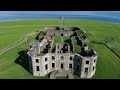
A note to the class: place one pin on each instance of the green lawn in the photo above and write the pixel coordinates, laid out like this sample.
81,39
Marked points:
76,47
108,65
65,38
57,39
11,36
11,70
11,32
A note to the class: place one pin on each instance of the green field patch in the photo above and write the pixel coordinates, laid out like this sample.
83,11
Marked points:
9,69
108,65
76,46
12,32
57,39
12,36
65,38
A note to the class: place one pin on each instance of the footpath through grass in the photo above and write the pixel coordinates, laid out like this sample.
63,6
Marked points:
108,65
9,69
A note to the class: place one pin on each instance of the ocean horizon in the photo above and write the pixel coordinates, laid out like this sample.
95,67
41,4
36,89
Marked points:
110,16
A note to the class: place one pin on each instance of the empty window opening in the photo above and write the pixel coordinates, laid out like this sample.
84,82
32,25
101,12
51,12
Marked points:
71,58
46,59
37,68
87,62
62,58
53,57
78,60
93,68
46,67
37,60
94,60
86,70
61,34
70,65
78,68
61,65
58,47
53,65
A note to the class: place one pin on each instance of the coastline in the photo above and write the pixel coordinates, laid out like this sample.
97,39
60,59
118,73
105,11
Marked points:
89,17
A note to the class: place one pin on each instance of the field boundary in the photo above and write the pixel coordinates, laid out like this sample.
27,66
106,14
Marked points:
97,42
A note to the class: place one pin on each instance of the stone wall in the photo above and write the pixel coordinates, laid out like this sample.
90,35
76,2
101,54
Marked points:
92,64
40,65
58,61
78,63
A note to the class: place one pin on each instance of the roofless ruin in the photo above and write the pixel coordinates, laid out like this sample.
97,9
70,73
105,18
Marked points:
62,51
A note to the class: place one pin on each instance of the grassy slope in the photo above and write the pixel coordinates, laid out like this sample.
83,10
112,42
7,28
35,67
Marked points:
11,32
108,65
8,67
11,36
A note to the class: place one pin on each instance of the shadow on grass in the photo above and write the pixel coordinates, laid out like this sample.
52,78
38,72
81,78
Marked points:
78,41
23,59
70,43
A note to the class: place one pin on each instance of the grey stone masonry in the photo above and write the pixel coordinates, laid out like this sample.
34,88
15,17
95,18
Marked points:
45,59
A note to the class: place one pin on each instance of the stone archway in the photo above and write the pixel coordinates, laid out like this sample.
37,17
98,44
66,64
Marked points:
61,73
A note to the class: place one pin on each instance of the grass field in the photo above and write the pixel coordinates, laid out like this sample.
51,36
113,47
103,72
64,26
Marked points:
12,32
108,65
57,39
8,66
77,47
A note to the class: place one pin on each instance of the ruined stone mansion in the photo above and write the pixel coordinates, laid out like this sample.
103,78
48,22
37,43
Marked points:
48,55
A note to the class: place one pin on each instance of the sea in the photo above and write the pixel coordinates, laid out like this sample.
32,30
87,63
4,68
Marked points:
110,16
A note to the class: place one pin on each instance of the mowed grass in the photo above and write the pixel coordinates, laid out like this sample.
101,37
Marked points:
57,39
11,32
76,47
12,36
108,65
11,70
65,38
